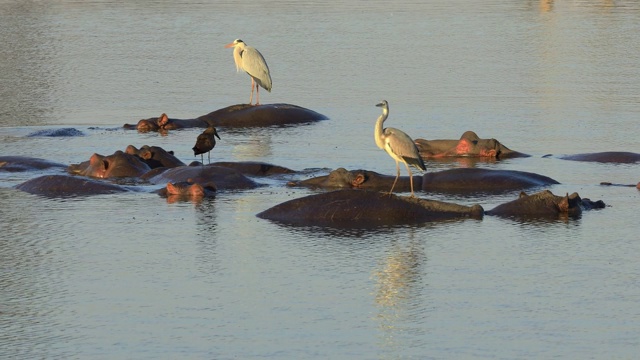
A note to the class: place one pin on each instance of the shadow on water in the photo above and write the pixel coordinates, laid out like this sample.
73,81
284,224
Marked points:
350,230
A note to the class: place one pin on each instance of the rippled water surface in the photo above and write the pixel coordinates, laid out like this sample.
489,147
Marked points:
133,276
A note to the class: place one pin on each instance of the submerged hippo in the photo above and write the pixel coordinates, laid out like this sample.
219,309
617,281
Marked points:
187,191
545,205
469,145
25,163
637,186
63,132
458,181
620,157
65,186
118,164
361,208
223,177
474,180
241,115
255,168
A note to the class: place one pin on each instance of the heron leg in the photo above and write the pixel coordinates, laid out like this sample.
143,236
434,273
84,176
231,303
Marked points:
209,156
257,94
397,176
252,84
410,179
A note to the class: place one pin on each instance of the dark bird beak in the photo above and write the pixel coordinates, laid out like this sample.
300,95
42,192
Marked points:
216,135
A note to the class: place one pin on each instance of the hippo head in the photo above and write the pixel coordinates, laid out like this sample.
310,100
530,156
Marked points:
147,125
188,190
155,156
119,164
470,144
338,178
341,177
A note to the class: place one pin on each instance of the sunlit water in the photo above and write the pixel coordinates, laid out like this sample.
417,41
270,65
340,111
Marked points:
132,276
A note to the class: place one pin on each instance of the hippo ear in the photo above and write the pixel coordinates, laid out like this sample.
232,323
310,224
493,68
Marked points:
146,154
99,162
358,180
171,190
522,195
163,120
131,150
563,204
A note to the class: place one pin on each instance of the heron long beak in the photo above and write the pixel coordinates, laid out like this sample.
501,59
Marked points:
218,136
230,45
380,104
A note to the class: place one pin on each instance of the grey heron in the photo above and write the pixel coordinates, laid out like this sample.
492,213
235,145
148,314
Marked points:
205,143
398,145
250,60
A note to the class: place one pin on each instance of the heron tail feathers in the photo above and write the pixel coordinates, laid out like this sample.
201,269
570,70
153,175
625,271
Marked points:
417,162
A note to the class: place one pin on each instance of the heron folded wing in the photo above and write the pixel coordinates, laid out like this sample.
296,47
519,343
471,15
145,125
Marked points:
255,65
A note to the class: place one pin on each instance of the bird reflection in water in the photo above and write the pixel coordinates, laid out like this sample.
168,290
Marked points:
397,279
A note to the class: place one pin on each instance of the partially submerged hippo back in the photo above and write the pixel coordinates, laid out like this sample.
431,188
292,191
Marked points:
620,157
63,132
65,186
361,208
545,204
244,115
476,180
254,168
24,163
224,178
241,115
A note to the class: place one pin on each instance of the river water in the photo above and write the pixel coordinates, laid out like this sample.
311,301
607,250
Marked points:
133,276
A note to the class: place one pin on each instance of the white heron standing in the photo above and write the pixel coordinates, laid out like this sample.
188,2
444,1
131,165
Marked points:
398,145
250,60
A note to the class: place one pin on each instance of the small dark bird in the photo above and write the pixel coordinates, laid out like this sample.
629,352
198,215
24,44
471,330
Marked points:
205,143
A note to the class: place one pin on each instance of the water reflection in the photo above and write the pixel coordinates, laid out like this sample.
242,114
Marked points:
31,277
546,5
253,144
26,70
397,283
207,237
533,69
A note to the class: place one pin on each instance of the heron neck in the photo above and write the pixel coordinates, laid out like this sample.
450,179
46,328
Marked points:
237,58
379,130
